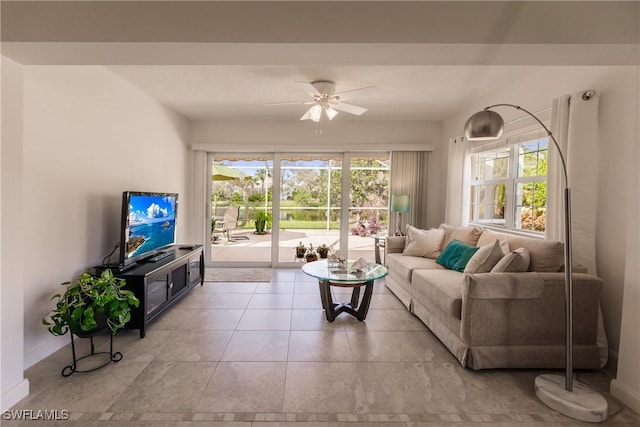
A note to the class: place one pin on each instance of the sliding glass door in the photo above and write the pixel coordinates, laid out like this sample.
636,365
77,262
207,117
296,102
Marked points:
310,203
369,202
241,208
264,206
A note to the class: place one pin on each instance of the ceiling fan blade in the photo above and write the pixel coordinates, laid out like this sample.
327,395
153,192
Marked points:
311,90
364,91
348,108
273,104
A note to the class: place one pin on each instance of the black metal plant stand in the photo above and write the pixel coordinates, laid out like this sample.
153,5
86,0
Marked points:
113,357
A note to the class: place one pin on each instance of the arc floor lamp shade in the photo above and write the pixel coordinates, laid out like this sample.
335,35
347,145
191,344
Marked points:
483,126
575,399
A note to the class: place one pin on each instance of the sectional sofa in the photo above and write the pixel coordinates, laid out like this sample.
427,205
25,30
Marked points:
501,305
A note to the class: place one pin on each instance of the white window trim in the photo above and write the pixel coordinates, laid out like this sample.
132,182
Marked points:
523,135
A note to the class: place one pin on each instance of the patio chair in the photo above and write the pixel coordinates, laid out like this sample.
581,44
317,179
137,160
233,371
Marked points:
228,222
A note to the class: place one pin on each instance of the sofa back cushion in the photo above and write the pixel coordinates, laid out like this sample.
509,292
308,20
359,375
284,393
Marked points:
467,235
545,255
424,243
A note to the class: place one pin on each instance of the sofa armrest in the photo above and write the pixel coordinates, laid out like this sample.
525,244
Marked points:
503,286
395,244
527,309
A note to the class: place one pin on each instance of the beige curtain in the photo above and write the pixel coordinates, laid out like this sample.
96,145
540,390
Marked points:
201,184
574,123
409,175
458,179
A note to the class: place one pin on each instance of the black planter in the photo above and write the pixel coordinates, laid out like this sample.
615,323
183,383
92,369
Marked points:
100,329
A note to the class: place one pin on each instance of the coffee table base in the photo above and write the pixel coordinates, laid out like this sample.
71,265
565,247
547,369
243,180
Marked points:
333,309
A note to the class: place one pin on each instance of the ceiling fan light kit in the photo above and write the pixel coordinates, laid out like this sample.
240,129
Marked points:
325,99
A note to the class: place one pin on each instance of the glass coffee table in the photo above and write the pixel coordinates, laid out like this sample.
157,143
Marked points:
345,277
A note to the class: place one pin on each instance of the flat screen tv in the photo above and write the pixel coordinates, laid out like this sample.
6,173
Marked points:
148,225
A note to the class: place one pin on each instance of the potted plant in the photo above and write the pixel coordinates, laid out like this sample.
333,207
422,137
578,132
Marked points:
323,250
311,254
263,222
301,250
91,303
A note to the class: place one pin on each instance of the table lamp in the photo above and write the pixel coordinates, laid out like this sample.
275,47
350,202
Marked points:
399,205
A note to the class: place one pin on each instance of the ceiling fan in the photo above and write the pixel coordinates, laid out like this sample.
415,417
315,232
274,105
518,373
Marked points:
326,100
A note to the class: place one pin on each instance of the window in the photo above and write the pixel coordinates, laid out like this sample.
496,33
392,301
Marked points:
509,186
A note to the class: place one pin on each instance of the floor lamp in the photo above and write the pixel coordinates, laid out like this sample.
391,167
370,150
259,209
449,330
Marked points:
399,205
574,399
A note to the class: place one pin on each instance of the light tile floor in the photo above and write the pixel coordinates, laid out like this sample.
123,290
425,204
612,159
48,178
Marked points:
254,354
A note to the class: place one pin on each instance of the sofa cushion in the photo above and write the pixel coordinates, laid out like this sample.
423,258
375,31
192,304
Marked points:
402,266
468,235
514,262
442,287
546,255
485,258
456,255
489,236
424,243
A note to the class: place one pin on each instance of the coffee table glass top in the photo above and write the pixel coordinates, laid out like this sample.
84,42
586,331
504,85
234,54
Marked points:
321,270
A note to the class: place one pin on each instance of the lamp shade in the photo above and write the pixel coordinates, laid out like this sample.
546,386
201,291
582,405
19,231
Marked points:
399,203
315,113
483,126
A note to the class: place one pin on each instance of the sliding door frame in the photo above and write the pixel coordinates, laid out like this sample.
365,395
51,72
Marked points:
276,158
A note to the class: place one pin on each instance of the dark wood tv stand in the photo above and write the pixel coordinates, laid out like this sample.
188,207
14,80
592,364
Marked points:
160,284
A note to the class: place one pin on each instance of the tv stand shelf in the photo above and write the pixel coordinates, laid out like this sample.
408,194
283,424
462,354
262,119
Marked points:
161,283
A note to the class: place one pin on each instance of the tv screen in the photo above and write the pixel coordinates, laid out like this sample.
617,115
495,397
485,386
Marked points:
148,224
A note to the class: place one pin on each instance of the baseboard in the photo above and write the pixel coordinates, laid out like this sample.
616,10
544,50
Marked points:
15,394
624,394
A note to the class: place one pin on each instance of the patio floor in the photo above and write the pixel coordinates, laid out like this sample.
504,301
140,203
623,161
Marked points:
249,247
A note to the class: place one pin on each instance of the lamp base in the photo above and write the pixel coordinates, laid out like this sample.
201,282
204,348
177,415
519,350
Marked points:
582,403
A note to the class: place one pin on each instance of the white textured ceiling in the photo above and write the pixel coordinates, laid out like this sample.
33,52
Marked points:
225,60
240,92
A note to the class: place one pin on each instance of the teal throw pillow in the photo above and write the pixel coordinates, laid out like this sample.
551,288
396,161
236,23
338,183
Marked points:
456,255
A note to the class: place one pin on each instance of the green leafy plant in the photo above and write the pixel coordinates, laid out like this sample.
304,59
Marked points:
91,297
323,250
311,254
301,250
263,222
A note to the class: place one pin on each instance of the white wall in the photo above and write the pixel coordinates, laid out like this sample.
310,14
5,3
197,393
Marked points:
618,89
229,136
88,136
13,384
626,386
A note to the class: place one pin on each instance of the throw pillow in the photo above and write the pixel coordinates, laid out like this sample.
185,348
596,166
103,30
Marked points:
514,262
424,243
468,235
485,258
456,255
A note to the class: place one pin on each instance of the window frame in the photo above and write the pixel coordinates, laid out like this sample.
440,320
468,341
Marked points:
513,142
